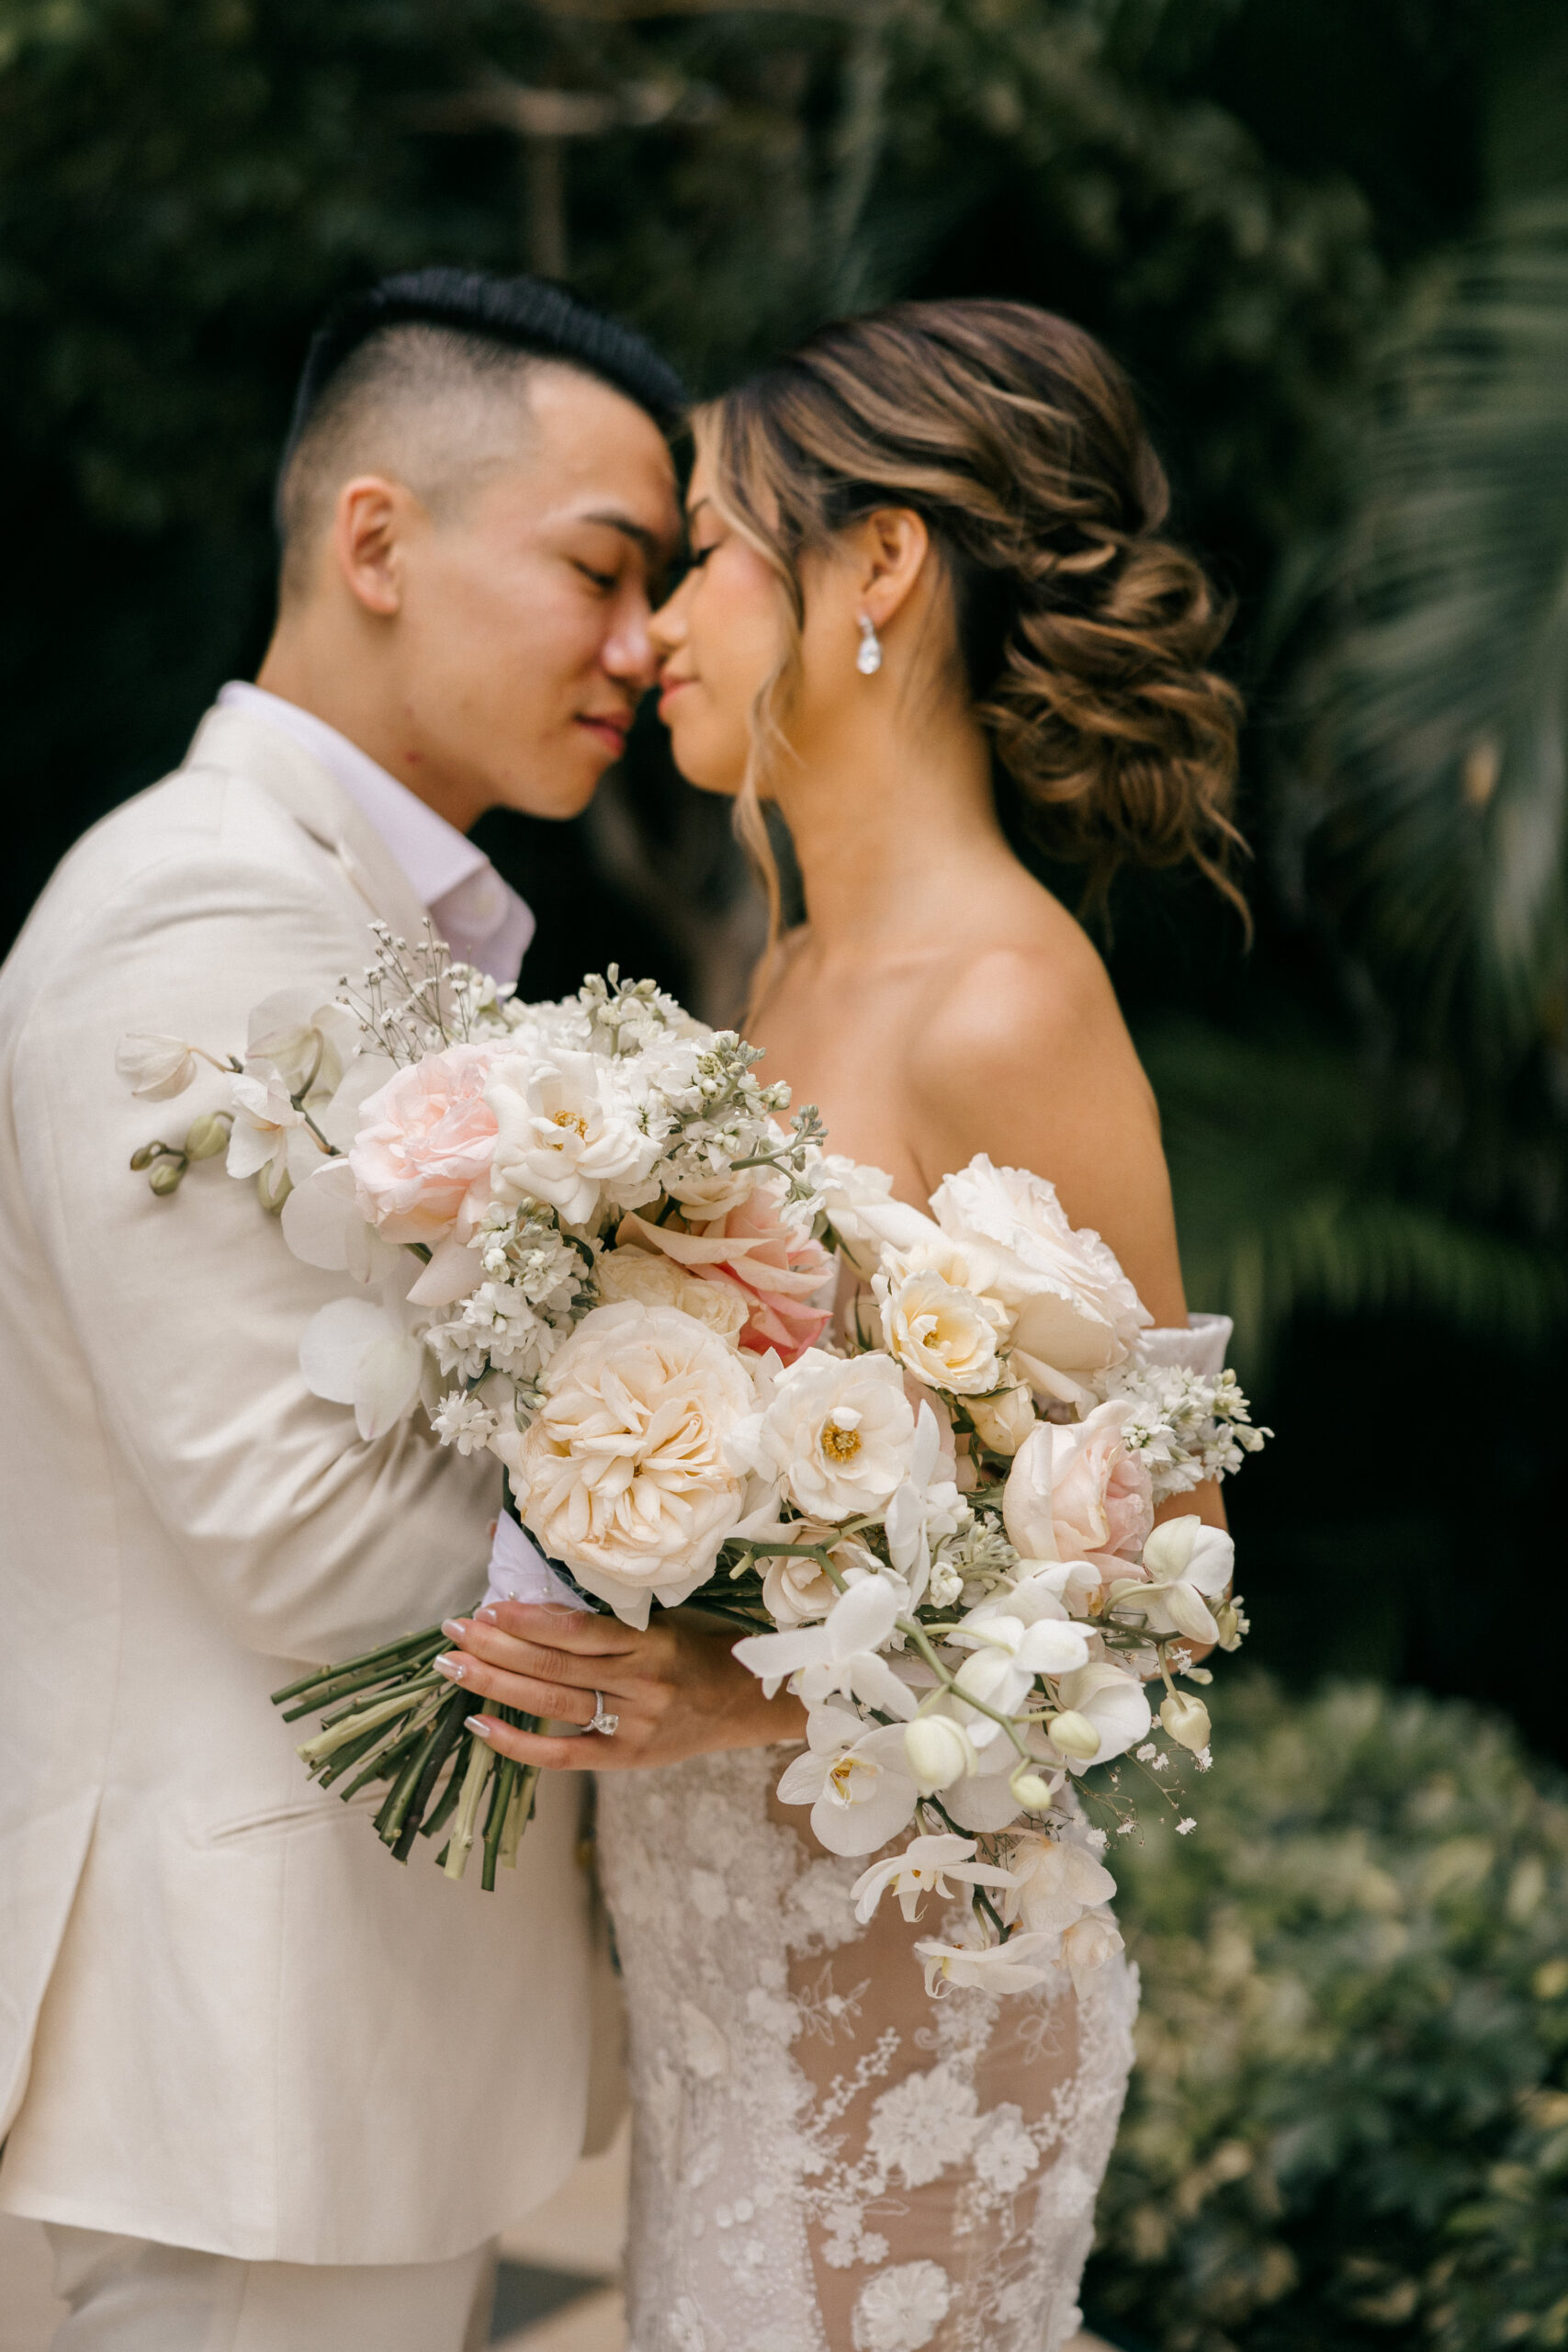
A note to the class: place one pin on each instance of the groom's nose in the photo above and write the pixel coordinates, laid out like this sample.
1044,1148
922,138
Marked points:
629,654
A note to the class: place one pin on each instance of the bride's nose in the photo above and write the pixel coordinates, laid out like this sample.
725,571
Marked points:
667,627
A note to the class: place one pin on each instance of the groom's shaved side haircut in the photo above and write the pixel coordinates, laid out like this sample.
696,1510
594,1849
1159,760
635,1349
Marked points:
425,377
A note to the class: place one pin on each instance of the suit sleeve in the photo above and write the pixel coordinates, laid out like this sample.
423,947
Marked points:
189,1310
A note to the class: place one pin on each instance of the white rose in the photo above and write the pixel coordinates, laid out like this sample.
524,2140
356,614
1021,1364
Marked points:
1088,1943
623,1472
839,1434
945,1336
658,1281
1074,1312
565,1132
1004,1419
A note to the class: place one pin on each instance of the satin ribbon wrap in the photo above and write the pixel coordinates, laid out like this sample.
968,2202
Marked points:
519,1571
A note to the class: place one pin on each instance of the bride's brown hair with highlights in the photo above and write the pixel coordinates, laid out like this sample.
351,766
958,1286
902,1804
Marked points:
1085,634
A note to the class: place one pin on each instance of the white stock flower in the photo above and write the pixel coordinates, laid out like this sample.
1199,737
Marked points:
1112,1702
1073,1311
924,1867
945,1335
463,1419
855,1781
1190,1565
1023,1960
567,1133
155,1067
842,1654
654,1280
623,1474
838,1434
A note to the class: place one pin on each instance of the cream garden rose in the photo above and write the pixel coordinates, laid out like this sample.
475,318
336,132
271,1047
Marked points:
623,1472
425,1145
654,1280
1072,1309
945,1335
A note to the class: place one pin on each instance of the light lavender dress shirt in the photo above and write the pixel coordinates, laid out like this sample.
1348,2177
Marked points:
480,917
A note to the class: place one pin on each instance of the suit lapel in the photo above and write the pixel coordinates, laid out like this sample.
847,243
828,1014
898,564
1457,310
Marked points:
286,772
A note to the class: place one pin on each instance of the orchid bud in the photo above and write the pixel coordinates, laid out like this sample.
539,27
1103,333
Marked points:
207,1137
165,1177
146,1154
1074,1735
1032,1792
1004,1420
937,1752
1188,1610
1187,1720
273,1188
1232,1624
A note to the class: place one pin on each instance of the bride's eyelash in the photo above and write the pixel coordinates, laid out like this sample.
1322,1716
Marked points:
696,558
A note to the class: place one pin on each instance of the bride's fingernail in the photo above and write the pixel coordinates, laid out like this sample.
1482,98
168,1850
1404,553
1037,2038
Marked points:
454,1669
486,1616
454,1628
482,1727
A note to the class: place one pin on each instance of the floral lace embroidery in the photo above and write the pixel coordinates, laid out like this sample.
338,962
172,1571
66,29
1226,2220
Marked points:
825,2159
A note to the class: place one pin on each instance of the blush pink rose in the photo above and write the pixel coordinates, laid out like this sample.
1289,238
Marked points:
754,1252
1076,1493
424,1146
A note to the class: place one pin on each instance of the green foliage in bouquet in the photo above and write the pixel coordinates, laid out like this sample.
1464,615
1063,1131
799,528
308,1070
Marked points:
1349,2125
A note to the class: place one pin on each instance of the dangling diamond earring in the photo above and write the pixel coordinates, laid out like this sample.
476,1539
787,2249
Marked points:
868,661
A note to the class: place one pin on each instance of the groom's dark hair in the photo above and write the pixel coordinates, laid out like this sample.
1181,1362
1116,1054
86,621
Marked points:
426,366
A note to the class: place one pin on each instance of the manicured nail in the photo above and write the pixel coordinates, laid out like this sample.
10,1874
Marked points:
454,1669
482,1727
486,1616
454,1627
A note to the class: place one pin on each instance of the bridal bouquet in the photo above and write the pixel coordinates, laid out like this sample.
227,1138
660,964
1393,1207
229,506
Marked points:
577,1235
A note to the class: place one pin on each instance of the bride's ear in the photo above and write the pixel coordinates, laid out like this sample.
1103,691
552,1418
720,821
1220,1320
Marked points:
895,551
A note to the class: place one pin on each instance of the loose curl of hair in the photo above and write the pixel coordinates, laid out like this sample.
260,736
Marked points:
1084,634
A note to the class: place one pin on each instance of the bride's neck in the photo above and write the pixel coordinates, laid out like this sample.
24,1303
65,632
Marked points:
883,819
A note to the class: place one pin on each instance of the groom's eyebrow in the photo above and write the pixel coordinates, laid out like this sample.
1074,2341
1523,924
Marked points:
653,545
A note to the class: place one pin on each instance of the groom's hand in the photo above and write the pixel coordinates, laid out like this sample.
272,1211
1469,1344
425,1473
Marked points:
676,1688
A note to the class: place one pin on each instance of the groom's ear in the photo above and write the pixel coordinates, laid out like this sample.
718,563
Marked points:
370,524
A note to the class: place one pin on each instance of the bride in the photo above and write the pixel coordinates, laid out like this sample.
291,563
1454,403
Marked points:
929,602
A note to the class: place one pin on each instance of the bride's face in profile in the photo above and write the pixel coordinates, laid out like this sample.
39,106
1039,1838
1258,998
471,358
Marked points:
722,636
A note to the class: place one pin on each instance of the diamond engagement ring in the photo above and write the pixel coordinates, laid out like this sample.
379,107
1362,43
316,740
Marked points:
606,1725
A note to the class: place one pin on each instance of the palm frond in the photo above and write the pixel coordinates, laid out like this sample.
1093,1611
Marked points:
1285,1203
1441,746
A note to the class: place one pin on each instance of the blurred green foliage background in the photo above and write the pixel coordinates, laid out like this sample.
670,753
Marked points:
1332,245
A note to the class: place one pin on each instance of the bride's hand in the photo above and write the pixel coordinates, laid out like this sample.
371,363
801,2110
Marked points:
676,1688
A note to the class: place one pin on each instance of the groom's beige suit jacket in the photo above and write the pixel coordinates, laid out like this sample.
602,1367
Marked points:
228,2019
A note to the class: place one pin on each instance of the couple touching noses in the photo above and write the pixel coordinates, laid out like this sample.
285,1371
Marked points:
265,2089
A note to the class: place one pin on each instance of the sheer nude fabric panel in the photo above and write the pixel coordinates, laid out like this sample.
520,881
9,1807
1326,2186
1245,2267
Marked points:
826,2160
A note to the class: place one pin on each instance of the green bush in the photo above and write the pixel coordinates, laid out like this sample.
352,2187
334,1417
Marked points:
1350,2122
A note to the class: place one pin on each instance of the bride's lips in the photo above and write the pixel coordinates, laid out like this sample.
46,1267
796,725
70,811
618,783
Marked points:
668,690
612,731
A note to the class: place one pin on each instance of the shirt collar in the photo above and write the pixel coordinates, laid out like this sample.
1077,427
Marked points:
434,856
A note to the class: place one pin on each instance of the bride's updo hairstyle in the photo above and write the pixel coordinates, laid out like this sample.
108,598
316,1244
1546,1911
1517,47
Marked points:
1084,632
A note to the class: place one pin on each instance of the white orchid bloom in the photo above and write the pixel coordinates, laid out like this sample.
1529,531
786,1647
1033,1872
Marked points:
841,1655
1013,1967
1190,1565
155,1067
322,1226
1114,1704
1055,1881
923,1507
310,1045
356,1352
855,1781
1009,1650
565,1133
268,1131
924,1867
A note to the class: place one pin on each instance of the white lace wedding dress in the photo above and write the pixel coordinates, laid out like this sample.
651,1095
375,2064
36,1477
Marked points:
823,2157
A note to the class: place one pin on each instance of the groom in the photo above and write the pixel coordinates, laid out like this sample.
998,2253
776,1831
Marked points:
235,2060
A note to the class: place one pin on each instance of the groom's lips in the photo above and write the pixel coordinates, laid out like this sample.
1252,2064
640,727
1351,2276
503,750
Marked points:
612,732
